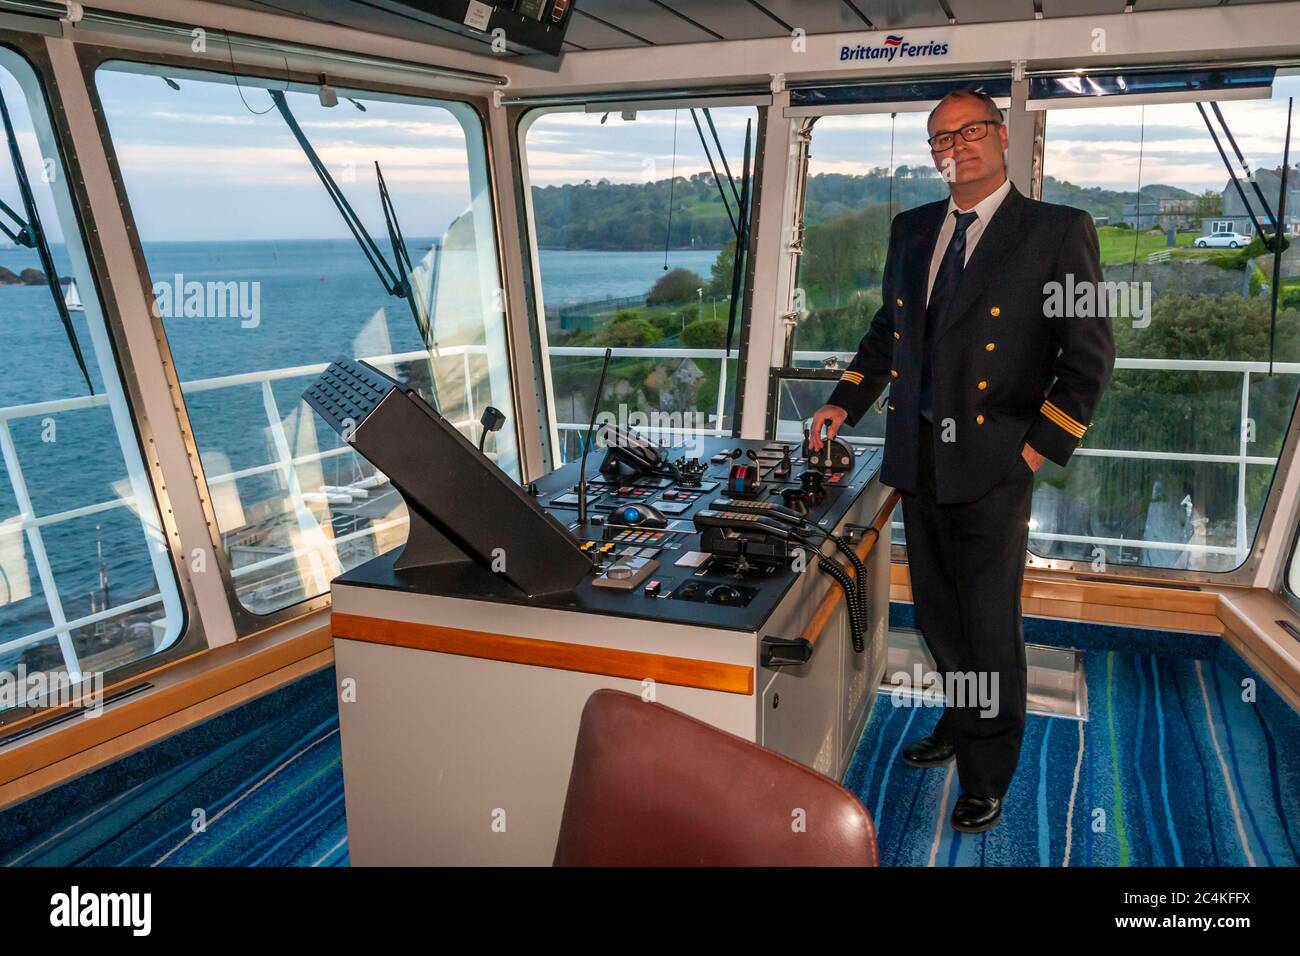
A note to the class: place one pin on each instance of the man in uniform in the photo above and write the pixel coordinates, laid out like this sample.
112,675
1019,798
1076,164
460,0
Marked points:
985,384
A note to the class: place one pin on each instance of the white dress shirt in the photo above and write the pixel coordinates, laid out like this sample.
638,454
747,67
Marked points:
984,210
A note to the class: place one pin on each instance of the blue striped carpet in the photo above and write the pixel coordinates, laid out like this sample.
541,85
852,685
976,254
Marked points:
261,785
1173,767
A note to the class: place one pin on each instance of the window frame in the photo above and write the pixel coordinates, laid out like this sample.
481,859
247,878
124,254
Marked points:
521,118
1292,559
90,59
1247,573
1031,126
30,48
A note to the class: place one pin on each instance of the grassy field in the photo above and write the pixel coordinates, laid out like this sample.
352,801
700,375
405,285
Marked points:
1117,244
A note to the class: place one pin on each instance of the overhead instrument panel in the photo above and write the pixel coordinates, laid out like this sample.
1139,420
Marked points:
536,26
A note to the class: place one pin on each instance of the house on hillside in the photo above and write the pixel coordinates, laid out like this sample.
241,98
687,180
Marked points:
1236,218
1167,213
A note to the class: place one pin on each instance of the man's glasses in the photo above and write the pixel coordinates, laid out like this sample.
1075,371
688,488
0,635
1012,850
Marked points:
971,132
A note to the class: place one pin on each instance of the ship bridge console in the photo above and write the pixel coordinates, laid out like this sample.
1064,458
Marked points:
737,580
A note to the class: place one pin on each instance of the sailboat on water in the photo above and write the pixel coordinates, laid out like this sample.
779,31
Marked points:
72,298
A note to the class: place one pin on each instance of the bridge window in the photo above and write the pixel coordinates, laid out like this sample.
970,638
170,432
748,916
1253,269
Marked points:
635,251
86,584
1180,458
863,170
260,279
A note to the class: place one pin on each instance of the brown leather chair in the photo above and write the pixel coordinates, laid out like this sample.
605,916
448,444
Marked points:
651,786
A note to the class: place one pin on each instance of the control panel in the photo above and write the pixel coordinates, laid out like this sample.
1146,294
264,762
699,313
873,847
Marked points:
688,539
711,531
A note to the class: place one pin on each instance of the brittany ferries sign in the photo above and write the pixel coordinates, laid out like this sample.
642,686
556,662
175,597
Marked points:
892,48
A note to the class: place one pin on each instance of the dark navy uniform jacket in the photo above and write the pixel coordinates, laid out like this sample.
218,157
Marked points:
1005,373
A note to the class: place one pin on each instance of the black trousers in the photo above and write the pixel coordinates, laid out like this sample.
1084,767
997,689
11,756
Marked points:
967,564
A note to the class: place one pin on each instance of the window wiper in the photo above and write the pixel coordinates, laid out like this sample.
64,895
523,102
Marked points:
1227,164
740,221
31,234
396,282
1277,243
1279,240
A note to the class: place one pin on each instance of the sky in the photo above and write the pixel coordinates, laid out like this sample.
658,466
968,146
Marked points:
213,161
570,147
1094,146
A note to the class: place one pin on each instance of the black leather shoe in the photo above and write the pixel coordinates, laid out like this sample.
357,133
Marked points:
928,752
974,814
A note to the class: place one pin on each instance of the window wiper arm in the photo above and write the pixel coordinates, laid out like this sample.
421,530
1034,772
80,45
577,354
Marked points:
23,236
1259,193
32,235
1277,243
1227,164
405,269
740,221
394,281
1279,240
387,277
714,169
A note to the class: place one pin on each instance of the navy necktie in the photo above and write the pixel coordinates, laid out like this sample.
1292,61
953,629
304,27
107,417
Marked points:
941,296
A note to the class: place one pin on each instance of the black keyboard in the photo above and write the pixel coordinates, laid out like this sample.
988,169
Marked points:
347,392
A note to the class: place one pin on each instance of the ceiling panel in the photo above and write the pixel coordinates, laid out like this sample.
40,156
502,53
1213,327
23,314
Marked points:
644,19
1081,8
1173,4
600,24
991,11
732,19
891,14
590,33
822,16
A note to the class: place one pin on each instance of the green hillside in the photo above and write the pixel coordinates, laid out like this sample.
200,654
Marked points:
635,216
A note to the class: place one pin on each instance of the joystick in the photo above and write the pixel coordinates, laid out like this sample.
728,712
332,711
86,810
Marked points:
691,471
813,486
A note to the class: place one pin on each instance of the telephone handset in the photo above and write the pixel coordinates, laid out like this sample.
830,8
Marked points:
626,450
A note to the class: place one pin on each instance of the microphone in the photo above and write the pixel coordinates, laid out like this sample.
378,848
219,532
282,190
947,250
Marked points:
586,443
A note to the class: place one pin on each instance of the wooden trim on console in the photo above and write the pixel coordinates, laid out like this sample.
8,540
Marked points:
822,616
585,658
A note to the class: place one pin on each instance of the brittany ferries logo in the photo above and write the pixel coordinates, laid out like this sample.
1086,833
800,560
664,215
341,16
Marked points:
893,47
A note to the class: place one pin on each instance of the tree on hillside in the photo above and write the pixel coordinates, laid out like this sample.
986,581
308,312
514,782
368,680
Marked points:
845,254
679,285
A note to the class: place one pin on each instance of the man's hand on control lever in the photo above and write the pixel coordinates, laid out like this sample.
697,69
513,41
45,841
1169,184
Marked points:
830,416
